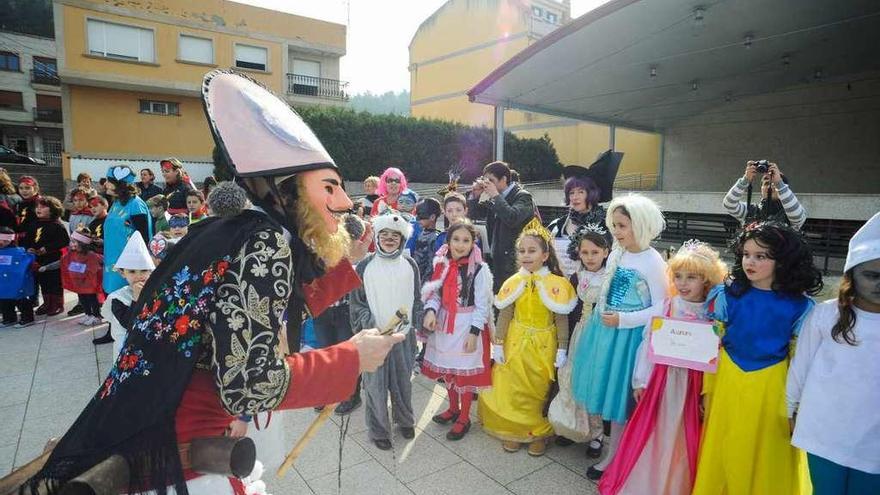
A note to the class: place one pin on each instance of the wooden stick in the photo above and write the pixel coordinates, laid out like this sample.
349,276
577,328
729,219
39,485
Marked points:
10,483
304,440
399,317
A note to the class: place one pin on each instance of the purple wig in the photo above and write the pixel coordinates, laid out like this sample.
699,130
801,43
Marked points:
585,183
382,188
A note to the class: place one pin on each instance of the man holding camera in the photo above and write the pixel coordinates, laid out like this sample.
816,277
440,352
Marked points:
777,202
507,208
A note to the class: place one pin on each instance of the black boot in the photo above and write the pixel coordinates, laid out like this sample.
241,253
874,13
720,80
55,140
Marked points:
106,339
76,310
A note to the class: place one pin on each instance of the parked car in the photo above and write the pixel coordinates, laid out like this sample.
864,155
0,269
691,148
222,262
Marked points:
9,155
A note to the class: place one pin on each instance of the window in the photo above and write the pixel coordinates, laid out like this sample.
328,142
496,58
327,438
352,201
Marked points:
251,57
194,49
159,107
538,11
45,66
306,77
11,100
552,18
9,61
120,42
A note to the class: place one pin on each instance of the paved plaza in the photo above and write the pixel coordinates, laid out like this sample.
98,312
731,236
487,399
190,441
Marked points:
49,371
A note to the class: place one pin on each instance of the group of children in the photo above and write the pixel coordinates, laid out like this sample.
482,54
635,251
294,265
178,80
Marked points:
60,258
673,429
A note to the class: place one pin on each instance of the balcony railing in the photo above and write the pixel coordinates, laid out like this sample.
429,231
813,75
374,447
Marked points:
319,87
47,115
39,76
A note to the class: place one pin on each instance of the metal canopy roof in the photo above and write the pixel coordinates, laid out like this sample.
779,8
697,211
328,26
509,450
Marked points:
599,66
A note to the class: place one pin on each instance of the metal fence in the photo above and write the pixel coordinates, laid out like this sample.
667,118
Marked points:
50,78
47,115
51,159
319,87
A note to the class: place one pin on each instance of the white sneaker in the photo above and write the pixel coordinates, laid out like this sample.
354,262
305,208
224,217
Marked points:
84,320
96,320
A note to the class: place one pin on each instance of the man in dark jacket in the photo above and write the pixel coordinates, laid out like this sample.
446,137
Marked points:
507,208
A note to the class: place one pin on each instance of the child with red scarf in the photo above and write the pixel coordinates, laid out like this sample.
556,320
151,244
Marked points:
458,312
46,238
81,270
79,215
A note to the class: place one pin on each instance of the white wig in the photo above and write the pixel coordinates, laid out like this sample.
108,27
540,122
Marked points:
647,220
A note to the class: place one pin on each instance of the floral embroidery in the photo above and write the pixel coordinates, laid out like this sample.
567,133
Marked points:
187,300
130,362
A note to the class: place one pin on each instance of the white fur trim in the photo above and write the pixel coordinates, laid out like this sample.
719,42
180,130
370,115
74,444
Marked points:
503,303
558,308
392,221
434,285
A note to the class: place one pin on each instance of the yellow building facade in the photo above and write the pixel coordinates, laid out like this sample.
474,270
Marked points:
131,73
464,40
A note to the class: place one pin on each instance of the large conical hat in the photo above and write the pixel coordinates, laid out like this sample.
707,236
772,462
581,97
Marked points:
258,133
603,171
135,256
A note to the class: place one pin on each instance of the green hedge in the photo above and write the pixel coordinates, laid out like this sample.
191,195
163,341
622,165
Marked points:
364,144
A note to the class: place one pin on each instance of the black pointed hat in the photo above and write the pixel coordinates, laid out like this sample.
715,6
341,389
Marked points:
603,171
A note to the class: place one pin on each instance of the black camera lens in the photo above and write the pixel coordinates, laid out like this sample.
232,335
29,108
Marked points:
762,166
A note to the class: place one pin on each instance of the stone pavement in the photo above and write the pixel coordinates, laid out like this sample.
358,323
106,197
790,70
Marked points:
49,371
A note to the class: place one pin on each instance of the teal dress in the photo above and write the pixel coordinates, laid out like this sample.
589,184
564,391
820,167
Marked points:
117,228
603,362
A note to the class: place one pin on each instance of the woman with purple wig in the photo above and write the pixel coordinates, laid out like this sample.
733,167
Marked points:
585,188
394,193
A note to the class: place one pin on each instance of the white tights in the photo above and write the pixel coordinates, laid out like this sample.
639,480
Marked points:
613,443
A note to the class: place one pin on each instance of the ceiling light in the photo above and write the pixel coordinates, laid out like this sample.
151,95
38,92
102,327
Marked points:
653,72
728,97
747,41
786,60
695,85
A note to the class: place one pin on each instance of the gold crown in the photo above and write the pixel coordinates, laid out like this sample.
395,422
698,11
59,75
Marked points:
534,227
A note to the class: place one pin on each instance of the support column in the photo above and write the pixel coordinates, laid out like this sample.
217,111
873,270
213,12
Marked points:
612,130
499,133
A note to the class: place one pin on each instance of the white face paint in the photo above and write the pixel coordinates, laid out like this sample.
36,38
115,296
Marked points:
866,280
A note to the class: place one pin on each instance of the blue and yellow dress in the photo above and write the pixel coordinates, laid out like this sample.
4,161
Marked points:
746,445
605,357
513,409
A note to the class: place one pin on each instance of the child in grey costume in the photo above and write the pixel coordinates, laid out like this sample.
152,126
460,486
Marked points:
390,282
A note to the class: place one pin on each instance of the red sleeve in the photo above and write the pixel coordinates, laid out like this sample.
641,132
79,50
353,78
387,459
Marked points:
375,209
323,376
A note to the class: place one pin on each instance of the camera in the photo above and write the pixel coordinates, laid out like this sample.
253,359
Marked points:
762,166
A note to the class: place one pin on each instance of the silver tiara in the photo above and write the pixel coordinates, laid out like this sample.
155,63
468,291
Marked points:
594,227
692,246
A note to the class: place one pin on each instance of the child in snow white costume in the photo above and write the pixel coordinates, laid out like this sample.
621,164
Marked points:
746,443
458,313
203,340
658,449
530,343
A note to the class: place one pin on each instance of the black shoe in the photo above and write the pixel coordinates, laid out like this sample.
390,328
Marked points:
594,474
594,449
562,441
408,432
383,444
319,409
445,417
106,339
458,431
9,323
76,310
348,406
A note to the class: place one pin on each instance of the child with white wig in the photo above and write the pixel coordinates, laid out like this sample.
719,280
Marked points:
633,294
